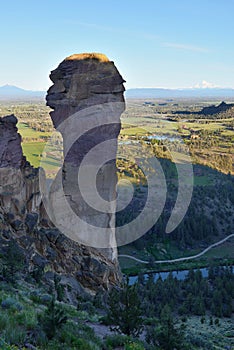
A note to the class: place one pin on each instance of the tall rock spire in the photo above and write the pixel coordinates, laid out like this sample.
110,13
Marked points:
87,101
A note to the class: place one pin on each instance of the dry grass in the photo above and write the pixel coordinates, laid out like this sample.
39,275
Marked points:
85,56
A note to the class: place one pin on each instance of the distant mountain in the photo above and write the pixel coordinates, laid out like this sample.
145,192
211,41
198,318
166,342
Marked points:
222,93
221,108
11,92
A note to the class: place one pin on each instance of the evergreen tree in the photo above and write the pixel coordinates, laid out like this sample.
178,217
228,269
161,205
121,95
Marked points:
52,319
13,261
166,336
124,310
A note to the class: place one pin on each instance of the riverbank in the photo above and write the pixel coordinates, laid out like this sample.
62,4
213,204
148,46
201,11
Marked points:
176,266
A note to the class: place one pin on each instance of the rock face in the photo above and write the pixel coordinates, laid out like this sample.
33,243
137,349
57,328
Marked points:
22,213
19,185
87,99
81,81
10,143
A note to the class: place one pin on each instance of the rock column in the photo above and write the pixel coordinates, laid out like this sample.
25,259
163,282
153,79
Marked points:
87,101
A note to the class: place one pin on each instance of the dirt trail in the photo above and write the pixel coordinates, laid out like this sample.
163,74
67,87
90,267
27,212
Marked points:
179,259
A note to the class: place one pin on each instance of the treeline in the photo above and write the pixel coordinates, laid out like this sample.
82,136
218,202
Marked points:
209,215
162,308
196,295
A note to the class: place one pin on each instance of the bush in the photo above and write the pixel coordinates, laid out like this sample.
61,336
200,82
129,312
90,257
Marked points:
14,334
199,342
52,319
150,321
79,344
114,341
27,319
35,296
133,346
86,306
11,304
5,346
203,319
45,299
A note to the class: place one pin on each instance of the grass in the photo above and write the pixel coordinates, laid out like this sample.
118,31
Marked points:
208,336
84,56
26,131
16,324
33,151
133,131
222,253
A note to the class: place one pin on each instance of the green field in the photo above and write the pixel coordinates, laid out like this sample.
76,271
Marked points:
33,152
27,132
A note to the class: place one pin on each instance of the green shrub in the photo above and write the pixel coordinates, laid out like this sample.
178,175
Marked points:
4,320
199,342
133,346
150,321
80,344
114,341
46,299
86,306
52,319
5,346
27,319
13,334
35,296
11,303
203,319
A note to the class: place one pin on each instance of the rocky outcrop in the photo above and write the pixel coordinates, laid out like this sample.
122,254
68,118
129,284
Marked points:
87,102
11,154
19,183
22,213
221,108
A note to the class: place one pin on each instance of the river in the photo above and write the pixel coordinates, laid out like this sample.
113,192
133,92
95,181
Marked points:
180,275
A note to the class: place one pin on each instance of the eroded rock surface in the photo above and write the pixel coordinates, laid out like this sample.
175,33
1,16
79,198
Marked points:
87,102
19,183
79,82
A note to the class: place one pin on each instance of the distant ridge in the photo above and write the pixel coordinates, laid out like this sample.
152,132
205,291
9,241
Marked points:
221,108
11,92
223,93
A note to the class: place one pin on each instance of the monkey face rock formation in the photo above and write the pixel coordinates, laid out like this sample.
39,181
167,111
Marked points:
81,81
89,88
87,102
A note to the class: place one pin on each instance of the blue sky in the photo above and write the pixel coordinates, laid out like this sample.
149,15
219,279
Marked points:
154,43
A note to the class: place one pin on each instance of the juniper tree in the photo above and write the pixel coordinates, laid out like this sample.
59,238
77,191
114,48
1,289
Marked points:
124,310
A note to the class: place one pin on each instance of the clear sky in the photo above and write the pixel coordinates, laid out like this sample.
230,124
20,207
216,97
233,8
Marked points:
154,43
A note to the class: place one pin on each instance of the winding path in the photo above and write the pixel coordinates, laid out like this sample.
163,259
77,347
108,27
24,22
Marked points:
179,259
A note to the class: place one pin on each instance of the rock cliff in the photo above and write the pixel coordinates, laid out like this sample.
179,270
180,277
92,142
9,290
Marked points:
80,81
87,102
19,184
